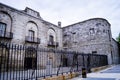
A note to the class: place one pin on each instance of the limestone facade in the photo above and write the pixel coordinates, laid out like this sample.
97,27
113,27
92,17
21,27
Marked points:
20,22
91,36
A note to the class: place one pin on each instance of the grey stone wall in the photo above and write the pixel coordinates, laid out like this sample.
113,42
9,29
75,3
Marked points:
90,36
115,52
19,22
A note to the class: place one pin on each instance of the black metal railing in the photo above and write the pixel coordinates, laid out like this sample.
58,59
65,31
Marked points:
53,44
32,39
20,62
8,35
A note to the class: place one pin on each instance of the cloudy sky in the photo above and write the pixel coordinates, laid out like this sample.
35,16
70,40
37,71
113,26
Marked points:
72,11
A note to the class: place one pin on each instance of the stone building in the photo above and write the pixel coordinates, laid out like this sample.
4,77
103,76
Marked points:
115,52
27,27
91,36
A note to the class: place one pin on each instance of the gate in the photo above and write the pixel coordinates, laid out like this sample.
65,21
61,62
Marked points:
30,61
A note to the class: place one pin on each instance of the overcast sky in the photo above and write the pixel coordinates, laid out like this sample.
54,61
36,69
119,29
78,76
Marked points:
72,11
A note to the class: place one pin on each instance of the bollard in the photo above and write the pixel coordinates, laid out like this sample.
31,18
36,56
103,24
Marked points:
84,73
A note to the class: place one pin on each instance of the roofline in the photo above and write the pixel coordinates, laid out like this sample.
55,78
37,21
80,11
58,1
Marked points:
8,6
114,40
86,21
31,9
51,23
21,11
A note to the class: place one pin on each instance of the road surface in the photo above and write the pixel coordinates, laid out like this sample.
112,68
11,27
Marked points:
112,73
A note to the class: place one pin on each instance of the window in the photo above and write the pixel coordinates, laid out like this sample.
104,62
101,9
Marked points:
104,31
92,31
31,35
2,29
98,24
51,39
94,52
109,35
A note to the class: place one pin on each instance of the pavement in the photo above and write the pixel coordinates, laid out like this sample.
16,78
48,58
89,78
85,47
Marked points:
25,74
111,73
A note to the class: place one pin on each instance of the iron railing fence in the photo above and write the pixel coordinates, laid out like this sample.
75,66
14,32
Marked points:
53,44
8,35
32,39
20,62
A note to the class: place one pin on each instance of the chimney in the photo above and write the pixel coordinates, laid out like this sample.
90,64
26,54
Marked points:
59,24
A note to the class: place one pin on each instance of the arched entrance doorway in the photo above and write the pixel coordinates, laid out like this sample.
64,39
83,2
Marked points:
64,60
30,61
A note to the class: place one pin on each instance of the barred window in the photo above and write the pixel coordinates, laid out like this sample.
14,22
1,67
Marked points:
92,31
2,29
31,35
51,39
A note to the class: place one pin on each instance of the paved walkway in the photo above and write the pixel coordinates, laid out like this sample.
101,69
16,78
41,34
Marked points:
112,73
27,74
